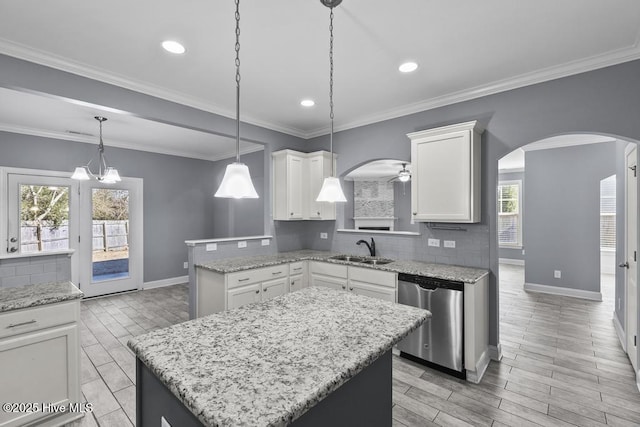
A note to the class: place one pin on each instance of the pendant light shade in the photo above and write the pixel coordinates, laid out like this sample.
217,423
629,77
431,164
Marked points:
236,183
331,191
81,174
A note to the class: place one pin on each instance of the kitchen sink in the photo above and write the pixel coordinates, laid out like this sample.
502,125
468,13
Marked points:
362,260
377,261
348,258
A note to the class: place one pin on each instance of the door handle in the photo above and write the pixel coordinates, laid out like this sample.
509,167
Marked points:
624,265
13,249
13,240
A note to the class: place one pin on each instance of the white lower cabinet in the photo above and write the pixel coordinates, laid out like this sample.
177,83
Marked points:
360,281
245,295
274,288
40,363
217,292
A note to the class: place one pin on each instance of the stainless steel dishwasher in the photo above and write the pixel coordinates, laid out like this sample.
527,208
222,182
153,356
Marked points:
440,341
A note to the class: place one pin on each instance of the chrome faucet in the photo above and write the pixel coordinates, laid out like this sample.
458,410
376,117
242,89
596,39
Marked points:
372,246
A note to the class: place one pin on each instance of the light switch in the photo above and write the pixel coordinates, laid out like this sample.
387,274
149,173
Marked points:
434,242
211,247
557,274
185,265
266,242
242,244
449,243
324,236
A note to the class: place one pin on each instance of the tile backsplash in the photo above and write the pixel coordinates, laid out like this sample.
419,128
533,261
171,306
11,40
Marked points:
34,270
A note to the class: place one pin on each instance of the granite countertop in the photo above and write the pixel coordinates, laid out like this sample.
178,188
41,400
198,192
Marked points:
440,271
35,295
266,364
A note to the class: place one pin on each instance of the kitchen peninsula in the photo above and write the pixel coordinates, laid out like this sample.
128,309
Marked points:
312,357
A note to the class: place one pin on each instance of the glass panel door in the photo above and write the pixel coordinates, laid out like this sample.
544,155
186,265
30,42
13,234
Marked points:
111,237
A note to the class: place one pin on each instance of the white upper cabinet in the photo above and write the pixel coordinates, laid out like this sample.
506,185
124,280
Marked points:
446,174
297,179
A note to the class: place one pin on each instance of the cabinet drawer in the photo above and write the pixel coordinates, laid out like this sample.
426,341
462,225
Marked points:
257,275
32,319
368,275
296,268
328,269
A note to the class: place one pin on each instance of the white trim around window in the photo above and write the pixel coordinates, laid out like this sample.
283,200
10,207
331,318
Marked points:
518,214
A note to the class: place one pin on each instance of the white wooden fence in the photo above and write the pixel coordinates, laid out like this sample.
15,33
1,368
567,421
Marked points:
107,236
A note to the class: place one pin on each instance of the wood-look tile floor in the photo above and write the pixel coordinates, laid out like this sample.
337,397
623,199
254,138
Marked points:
562,364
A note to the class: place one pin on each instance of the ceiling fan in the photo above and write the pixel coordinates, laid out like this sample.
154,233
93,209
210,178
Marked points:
403,175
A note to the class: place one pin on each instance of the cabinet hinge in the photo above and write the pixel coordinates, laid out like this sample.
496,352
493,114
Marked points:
635,344
634,169
78,239
634,256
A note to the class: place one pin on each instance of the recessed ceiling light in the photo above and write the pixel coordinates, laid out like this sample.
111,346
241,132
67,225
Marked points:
173,47
408,67
307,103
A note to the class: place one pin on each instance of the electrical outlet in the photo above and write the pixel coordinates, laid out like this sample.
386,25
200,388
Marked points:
211,247
324,236
449,243
557,274
434,242
242,244
523,252
185,265
266,242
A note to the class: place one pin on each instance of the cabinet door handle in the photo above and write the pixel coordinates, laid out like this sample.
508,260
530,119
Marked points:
291,213
344,287
14,325
297,269
276,272
243,280
415,213
318,213
258,291
350,289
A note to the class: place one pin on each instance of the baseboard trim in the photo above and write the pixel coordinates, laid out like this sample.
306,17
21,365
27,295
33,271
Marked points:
481,367
495,352
620,332
511,261
165,282
566,292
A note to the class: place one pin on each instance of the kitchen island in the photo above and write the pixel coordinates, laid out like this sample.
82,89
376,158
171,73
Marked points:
313,357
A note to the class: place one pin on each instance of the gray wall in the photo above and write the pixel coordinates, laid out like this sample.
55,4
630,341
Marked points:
604,101
563,214
514,253
244,217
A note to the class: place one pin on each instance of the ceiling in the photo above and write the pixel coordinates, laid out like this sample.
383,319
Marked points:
465,49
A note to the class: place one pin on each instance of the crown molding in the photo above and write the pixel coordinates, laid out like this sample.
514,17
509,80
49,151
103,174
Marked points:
618,56
30,54
5,127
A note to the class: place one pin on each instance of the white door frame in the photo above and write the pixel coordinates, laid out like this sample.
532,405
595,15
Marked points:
630,150
136,250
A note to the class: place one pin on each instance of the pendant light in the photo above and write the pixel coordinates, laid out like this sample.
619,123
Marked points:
331,190
236,183
404,175
106,174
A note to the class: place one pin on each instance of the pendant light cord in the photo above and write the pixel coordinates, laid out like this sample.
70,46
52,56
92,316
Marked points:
333,172
237,81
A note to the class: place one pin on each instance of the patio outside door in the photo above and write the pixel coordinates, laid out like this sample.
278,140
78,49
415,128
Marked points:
111,237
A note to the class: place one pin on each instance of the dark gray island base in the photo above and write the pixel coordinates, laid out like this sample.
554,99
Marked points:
314,357
363,400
